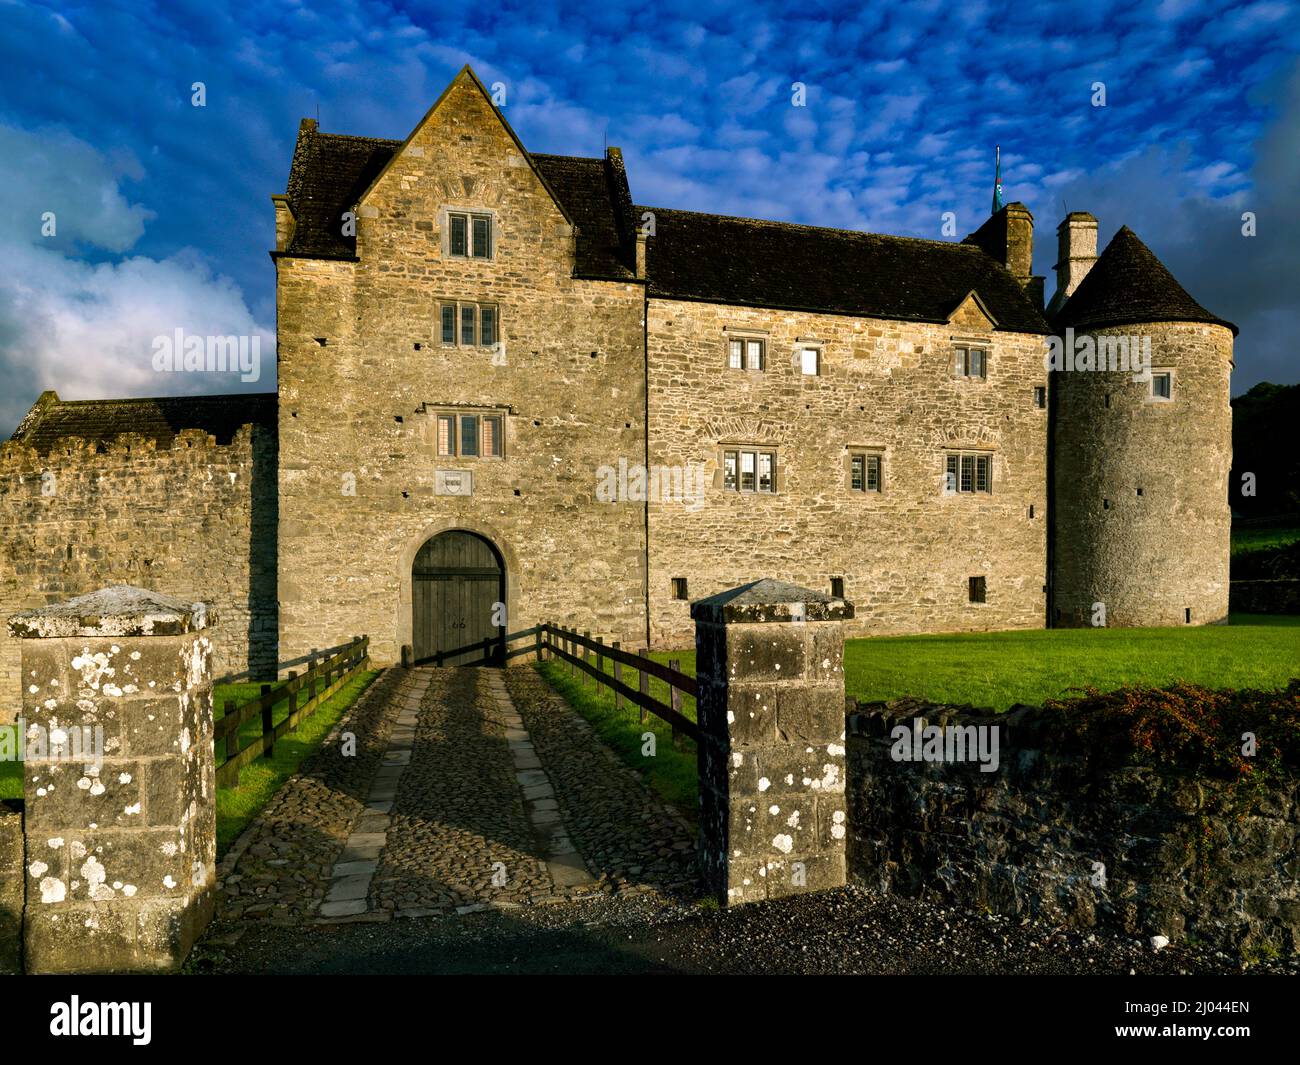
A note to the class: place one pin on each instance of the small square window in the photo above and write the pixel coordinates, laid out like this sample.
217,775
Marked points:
810,362
468,324
754,355
864,473
978,589
1162,385
487,325
449,323
749,471
736,355
469,235
679,588
1040,397
837,587
968,473
970,362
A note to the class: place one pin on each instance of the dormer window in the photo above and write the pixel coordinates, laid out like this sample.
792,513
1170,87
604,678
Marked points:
970,362
469,236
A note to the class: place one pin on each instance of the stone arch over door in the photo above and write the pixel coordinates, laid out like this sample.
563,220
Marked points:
405,611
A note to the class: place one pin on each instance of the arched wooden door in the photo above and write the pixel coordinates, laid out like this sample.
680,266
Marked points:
457,582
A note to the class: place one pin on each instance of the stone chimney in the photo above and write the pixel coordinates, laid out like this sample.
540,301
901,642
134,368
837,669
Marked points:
285,223
1008,237
1076,252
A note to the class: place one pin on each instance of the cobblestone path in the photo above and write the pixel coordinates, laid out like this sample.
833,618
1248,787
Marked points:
470,789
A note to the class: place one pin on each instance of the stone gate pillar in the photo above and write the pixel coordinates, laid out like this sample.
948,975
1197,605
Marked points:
119,781
770,672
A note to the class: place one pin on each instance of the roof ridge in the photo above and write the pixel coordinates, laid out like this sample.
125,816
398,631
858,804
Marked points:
157,399
556,155
819,229
359,137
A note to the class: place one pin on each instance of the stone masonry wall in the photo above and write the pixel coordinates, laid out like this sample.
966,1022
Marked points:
1043,837
12,889
1140,496
196,520
360,354
906,553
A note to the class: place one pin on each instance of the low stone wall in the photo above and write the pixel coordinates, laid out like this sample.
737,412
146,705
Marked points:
1048,835
11,889
1264,597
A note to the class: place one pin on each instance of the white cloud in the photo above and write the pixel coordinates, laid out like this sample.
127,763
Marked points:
76,315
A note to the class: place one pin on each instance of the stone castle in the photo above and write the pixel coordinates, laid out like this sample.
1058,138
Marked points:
508,394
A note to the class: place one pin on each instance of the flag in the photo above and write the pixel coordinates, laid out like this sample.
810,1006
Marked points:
998,201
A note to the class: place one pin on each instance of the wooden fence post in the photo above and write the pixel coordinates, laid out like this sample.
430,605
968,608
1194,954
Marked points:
586,659
232,737
675,699
573,652
600,661
267,728
645,685
311,673
537,644
618,677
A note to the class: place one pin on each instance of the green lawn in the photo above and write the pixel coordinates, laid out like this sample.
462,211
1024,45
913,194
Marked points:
998,669
995,669
259,781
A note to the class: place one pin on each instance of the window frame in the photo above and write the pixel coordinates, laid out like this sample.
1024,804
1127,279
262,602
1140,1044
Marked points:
456,437
471,218
962,350
745,340
816,350
1152,395
979,460
870,458
757,453
458,309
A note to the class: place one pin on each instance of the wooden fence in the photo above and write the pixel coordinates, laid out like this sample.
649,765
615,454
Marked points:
326,674
586,657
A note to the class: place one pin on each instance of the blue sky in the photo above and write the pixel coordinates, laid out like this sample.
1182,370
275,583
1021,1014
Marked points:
164,218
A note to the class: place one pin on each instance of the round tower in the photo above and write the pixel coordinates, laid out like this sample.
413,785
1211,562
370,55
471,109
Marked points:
1141,445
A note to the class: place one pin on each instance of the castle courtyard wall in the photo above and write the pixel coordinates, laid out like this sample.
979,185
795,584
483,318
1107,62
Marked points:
190,520
905,553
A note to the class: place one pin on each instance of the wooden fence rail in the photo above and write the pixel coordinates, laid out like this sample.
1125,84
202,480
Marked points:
573,647
579,650
327,673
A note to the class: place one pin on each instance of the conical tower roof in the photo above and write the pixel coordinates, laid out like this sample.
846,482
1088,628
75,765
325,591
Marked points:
1129,284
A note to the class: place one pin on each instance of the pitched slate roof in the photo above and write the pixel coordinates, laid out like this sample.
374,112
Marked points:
331,171
1127,284
589,192
101,420
792,267
328,175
